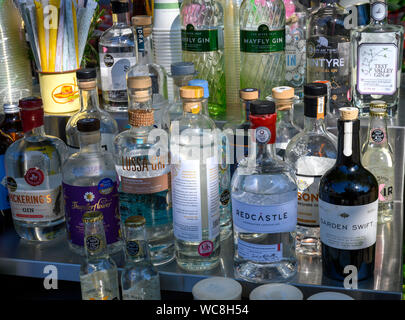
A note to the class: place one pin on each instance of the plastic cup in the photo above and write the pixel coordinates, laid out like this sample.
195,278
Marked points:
276,291
217,288
166,14
330,295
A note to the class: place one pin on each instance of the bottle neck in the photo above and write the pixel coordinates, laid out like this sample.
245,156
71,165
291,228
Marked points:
285,116
95,240
377,132
314,124
348,143
37,131
90,142
136,245
143,47
192,107
89,100
120,18
378,13
11,117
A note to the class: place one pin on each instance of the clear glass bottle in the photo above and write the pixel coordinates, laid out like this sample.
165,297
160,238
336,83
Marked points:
295,46
194,168
98,272
116,49
312,153
328,51
262,34
34,173
284,99
264,206
89,184
90,108
378,158
142,164
202,37
139,278
377,61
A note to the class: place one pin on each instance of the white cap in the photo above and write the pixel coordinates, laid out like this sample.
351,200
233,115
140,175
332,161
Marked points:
217,288
276,291
330,295
11,107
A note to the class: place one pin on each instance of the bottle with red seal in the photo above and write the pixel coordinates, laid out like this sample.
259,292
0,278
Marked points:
264,205
34,177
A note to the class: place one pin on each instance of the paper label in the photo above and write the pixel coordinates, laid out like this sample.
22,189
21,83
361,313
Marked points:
199,40
262,40
260,252
113,69
348,227
308,196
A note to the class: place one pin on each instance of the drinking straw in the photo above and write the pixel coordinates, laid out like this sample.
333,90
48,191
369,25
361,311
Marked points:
59,43
53,34
41,35
76,39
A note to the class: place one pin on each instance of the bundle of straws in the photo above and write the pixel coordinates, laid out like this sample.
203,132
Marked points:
57,31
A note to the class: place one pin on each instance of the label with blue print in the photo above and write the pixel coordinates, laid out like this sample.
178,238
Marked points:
4,203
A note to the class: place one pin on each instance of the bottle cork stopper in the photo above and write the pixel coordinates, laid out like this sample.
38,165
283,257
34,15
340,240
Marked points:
283,92
249,94
191,92
141,82
349,113
141,20
87,85
141,117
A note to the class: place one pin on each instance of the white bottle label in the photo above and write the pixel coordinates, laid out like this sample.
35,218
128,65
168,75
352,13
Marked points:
260,252
377,68
264,219
348,227
187,199
113,69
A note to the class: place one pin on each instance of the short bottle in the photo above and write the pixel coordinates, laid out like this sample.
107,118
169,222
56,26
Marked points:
90,183
12,124
348,207
312,153
90,108
284,98
139,278
34,173
142,164
377,156
264,206
98,272
194,168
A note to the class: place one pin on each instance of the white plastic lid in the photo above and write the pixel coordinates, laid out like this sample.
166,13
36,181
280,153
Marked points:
276,291
330,295
217,288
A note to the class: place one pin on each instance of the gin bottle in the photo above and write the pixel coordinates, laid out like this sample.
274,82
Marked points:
202,37
139,278
117,54
264,206
89,108
98,272
262,45
34,177
194,168
312,153
328,51
89,184
142,164
377,61
378,158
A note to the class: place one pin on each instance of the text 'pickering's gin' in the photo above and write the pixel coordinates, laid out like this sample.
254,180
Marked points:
377,61
264,206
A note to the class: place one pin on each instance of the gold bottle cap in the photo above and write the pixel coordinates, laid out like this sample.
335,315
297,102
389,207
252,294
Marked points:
141,20
378,108
249,94
141,117
92,216
141,82
349,113
283,92
191,92
135,221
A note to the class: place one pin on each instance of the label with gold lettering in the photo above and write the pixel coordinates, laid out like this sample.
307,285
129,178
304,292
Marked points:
103,197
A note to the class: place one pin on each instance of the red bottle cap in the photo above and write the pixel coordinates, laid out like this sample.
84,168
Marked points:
32,113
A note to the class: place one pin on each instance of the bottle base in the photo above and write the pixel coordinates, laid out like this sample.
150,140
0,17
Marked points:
40,232
308,241
161,254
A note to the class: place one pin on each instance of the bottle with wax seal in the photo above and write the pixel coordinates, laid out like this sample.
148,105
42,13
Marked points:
90,183
264,206
142,164
195,192
34,171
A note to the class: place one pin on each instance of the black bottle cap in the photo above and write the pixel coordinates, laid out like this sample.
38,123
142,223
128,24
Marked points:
88,125
315,89
119,7
315,100
86,74
258,107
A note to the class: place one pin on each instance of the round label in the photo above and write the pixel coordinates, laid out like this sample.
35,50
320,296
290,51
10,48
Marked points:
34,177
378,11
378,135
11,184
108,60
205,248
133,248
263,135
225,197
106,186
93,243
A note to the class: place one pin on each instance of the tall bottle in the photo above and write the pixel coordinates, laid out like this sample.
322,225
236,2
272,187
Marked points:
90,108
195,196
377,156
312,152
98,272
264,206
348,206
262,45
116,49
377,60
328,51
202,37
142,164
139,278
34,177
90,184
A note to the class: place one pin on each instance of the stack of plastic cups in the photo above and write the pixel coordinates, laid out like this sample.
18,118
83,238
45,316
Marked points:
166,36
